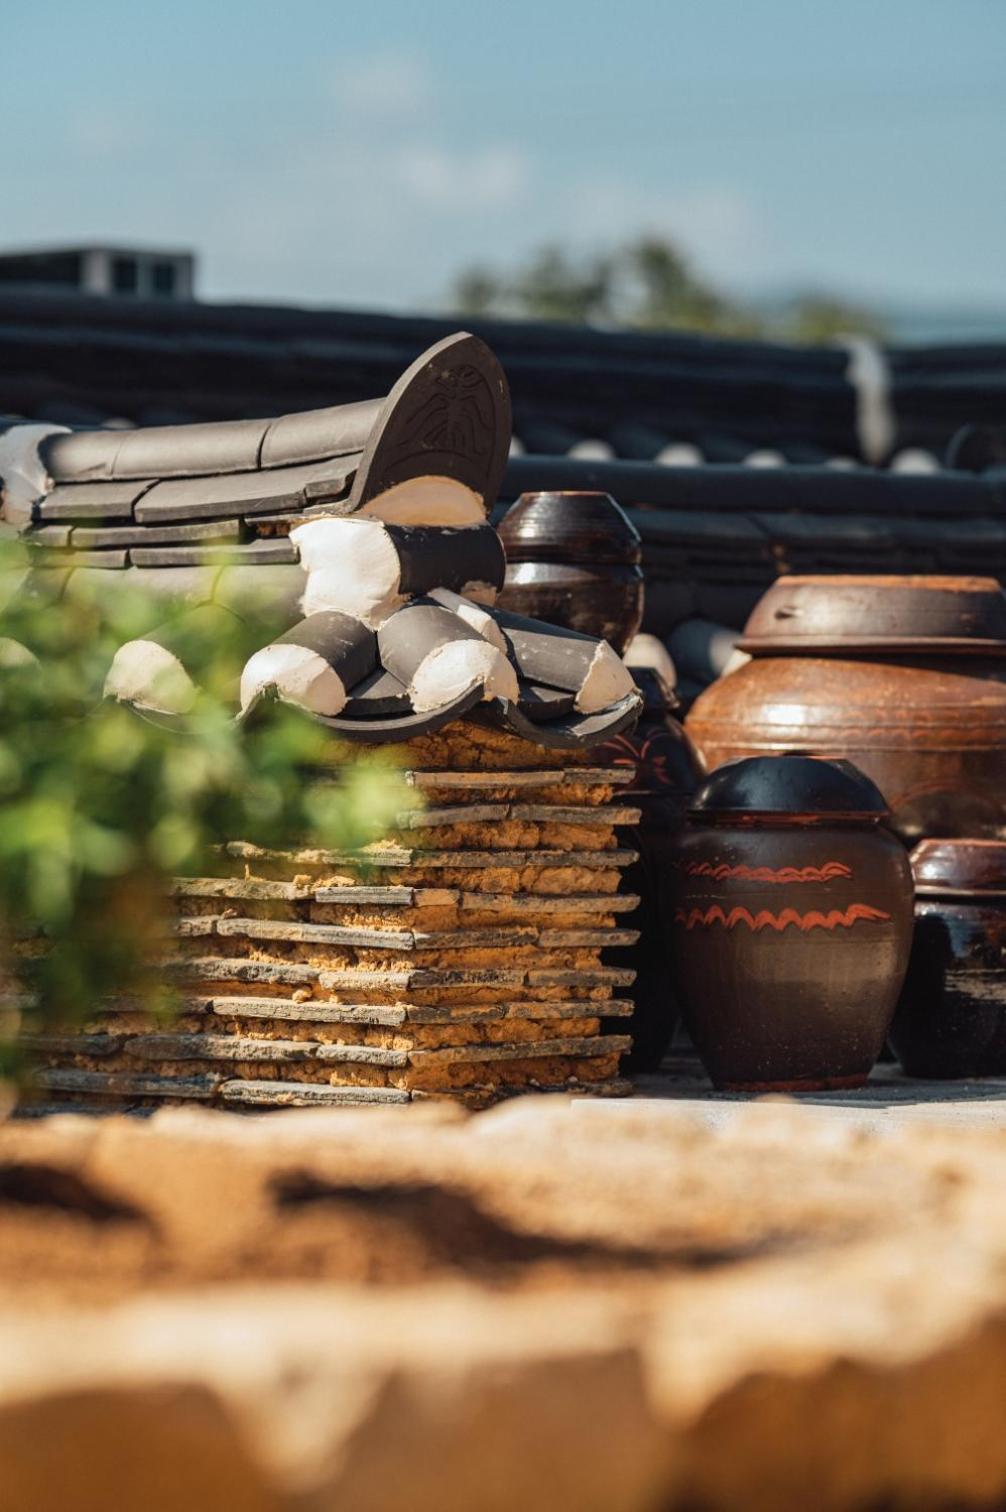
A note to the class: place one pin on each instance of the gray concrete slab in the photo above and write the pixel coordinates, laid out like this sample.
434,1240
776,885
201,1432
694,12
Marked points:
888,1099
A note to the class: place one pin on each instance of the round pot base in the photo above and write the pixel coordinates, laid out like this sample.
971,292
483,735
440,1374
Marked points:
802,1084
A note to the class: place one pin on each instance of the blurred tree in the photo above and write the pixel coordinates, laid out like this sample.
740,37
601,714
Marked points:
477,291
100,808
668,294
555,287
647,284
817,318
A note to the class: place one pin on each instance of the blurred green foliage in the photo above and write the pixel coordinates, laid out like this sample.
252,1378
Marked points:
101,807
646,284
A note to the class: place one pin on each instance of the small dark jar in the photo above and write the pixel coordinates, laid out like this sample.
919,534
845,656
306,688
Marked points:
951,1018
792,924
573,559
666,773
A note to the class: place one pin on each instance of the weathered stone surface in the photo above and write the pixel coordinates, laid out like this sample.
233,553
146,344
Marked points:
124,1083
311,1010
315,934
280,1094
460,781
556,1303
388,897
241,887
573,1048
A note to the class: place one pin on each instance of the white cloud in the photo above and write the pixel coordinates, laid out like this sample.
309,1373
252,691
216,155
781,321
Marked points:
491,178
105,132
390,87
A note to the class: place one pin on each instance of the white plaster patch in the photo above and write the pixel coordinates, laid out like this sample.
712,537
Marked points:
472,615
299,675
145,674
607,680
352,567
454,668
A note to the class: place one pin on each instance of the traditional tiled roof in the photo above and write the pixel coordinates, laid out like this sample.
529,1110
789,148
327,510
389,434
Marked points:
738,461
83,360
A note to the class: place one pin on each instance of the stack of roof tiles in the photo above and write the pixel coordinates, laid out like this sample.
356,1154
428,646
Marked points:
461,958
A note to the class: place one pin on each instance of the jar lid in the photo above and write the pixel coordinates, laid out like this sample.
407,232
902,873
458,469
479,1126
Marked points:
853,613
569,526
789,786
953,867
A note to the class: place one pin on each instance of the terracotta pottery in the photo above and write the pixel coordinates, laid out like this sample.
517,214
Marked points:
954,614
792,923
951,1019
667,773
573,559
904,676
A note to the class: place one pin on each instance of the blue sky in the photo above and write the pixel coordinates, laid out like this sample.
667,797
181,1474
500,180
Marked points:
362,153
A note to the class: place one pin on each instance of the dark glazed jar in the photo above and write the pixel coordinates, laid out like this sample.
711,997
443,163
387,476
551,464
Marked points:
951,1018
667,772
792,923
905,676
573,560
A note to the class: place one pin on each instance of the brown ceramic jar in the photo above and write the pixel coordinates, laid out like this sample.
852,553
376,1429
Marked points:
951,1018
904,676
792,922
666,773
573,559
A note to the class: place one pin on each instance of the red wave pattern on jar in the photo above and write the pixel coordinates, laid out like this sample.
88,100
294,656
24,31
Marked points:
826,873
836,918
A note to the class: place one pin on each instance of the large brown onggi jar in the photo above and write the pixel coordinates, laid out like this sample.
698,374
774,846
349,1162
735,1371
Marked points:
905,676
573,559
792,923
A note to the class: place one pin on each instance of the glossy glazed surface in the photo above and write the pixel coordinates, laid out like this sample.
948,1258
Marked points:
790,945
960,866
793,784
563,526
951,1019
931,733
603,600
908,613
573,560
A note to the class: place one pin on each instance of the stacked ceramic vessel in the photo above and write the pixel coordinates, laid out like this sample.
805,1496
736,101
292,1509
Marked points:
573,558
905,677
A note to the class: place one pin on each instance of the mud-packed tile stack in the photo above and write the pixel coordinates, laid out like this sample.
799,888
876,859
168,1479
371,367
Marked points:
466,957
466,954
